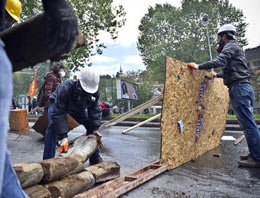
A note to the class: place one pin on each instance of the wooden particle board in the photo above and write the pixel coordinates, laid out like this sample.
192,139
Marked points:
198,102
41,124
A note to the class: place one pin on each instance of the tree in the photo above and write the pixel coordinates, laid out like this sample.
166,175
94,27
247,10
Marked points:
22,79
95,16
181,33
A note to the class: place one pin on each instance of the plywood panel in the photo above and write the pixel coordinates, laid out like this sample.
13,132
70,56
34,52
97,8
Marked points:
200,103
41,124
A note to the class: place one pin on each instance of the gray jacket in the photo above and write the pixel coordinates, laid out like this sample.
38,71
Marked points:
233,63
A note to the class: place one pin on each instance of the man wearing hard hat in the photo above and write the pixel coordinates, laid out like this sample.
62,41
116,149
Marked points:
236,75
62,27
79,99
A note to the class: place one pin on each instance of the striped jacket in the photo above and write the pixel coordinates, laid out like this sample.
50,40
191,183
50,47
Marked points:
52,81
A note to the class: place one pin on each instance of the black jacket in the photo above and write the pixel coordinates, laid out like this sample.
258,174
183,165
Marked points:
233,62
64,101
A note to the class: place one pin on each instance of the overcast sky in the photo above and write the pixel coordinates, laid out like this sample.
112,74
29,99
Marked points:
123,51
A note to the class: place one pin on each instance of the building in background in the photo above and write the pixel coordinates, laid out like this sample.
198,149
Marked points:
253,61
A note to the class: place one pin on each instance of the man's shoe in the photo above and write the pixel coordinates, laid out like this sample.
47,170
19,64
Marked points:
250,163
95,160
244,157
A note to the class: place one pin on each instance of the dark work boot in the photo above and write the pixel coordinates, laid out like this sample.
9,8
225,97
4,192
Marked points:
249,162
95,160
244,157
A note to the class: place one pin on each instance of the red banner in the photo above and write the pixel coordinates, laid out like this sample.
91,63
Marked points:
32,87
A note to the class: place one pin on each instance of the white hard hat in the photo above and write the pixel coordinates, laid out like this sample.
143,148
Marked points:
227,28
89,80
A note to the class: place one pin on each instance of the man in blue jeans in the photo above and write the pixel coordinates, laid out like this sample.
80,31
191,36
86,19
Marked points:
62,29
79,99
235,73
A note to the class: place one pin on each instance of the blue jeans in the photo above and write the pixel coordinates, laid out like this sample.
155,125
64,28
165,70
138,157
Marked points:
9,184
51,135
242,98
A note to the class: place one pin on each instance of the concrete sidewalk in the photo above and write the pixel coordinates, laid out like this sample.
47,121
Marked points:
207,176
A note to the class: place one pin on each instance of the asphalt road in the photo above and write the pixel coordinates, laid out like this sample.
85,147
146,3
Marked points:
207,176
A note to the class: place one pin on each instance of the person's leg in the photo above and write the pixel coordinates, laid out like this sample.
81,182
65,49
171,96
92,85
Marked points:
242,101
8,179
82,118
5,103
11,185
50,138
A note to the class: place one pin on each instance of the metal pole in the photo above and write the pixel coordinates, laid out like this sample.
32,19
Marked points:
205,19
129,105
210,55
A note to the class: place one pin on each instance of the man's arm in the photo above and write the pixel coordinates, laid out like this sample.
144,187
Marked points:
49,82
220,61
62,25
59,114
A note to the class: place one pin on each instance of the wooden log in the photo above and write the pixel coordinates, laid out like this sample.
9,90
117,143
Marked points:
38,191
29,174
141,123
105,171
71,185
26,43
57,168
41,124
84,146
18,120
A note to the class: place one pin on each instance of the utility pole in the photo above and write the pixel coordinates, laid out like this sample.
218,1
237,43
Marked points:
205,19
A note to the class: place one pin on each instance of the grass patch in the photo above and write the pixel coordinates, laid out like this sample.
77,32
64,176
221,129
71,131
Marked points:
233,117
136,116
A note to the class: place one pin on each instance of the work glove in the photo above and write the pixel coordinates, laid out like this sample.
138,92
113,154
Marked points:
62,25
100,143
193,66
213,74
64,147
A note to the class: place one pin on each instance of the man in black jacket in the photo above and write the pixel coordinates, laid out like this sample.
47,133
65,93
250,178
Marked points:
235,73
80,100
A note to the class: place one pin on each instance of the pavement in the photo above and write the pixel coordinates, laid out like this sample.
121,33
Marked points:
206,176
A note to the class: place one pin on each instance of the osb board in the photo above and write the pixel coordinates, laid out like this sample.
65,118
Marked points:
41,124
182,102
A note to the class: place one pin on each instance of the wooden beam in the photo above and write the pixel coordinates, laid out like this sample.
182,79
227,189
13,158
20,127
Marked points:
238,140
132,112
141,123
123,184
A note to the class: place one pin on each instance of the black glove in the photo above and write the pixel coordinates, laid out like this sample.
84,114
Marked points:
62,25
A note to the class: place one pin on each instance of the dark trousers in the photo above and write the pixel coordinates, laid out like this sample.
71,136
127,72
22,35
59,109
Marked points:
51,134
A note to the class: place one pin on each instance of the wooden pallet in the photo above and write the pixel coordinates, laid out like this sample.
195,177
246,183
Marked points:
123,184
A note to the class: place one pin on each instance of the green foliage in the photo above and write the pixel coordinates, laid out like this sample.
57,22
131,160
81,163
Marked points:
22,79
95,16
181,33
233,117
